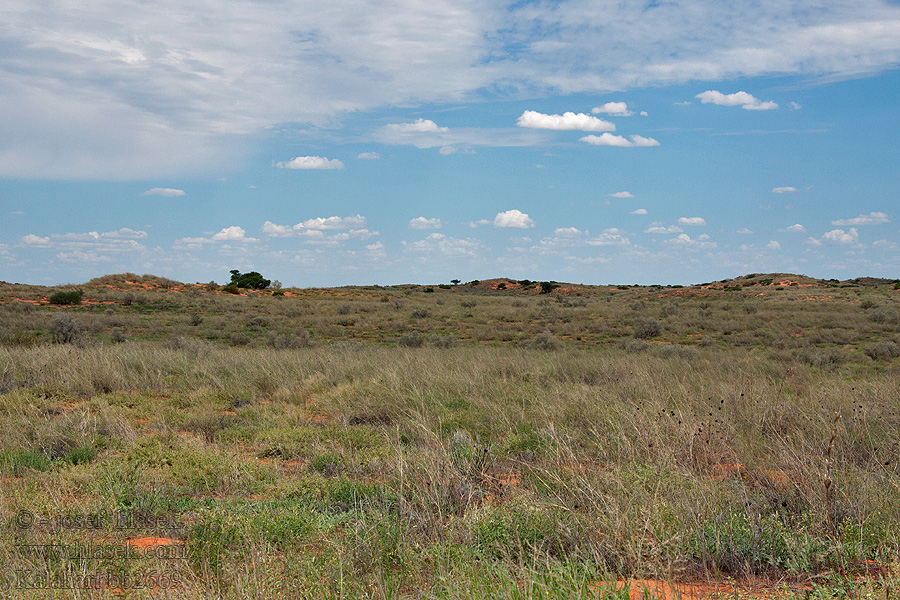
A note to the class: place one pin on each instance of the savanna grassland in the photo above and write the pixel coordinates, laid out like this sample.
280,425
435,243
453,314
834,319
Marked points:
497,439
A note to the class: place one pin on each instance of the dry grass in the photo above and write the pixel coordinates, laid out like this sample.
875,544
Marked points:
552,455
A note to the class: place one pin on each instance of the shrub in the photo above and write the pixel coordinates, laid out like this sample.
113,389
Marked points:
884,315
413,339
442,341
882,350
70,297
231,289
545,341
195,319
821,357
647,328
65,329
634,346
548,286
420,313
669,310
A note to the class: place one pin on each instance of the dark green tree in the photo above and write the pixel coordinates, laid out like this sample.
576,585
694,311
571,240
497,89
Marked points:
251,280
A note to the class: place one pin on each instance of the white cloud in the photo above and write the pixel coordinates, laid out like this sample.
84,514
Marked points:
783,190
795,106
795,228
36,241
231,234
169,192
685,240
873,218
660,228
368,155
617,109
837,236
419,126
513,218
608,139
566,122
773,245
692,221
312,228
447,150
639,211
333,223
138,89
424,223
621,195
437,243
311,162
567,232
744,231
610,237
742,99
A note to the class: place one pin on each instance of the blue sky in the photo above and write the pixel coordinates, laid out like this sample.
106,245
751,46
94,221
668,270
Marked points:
407,141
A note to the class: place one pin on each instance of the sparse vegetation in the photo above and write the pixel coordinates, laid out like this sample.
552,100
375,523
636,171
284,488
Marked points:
463,443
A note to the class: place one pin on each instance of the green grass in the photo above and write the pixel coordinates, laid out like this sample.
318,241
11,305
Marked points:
531,446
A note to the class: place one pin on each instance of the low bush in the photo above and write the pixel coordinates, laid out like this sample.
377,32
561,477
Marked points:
65,329
647,328
64,298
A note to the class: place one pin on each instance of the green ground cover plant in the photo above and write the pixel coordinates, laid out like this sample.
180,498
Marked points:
477,441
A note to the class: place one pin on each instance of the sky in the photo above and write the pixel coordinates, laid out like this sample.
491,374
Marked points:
354,142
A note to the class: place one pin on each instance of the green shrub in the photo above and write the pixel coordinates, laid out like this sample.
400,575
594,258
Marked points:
70,297
231,289
251,280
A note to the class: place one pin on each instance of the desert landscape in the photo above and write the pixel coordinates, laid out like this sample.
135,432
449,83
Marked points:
503,438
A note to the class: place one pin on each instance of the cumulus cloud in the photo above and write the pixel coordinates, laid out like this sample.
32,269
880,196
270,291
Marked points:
684,240
447,150
744,231
795,228
513,218
621,195
692,221
610,237
838,237
36,241
565,122
418,126
438,243
616,109
91,244
639,211
783,190
742,99
231,234
773,245
567,232
168,192
424,223
608,139
368,155
311,163
311,228
660,228
873,218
